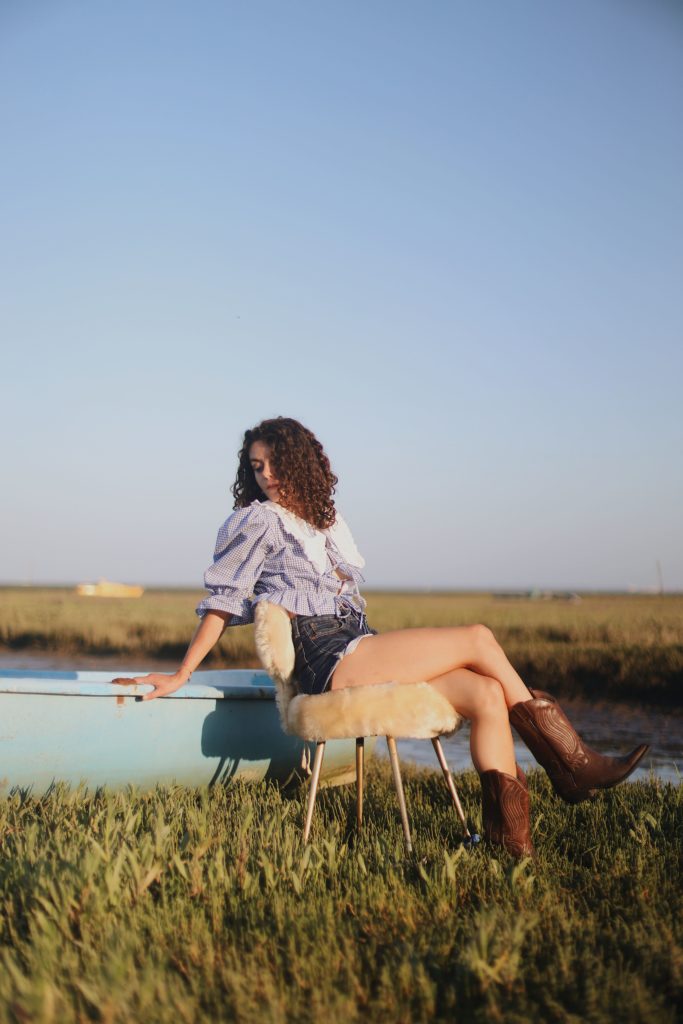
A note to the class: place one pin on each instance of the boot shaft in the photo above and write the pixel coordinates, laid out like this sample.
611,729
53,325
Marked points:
505,812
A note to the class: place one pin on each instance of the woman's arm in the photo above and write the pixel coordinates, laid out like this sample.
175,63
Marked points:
207,634
241,548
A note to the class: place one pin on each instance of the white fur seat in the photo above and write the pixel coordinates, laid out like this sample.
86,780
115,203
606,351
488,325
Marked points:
395,710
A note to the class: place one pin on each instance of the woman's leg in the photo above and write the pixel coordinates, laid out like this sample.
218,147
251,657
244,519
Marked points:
457,663
439,656
575,770
407,655
480,699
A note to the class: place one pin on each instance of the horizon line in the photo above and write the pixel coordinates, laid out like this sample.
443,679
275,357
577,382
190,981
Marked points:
512,590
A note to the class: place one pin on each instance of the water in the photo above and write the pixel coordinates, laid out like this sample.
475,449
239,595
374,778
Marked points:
609,727
40,660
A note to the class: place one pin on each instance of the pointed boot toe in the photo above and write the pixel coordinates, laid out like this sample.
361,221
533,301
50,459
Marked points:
629,762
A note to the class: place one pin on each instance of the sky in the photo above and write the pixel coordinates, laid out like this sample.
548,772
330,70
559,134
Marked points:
446,236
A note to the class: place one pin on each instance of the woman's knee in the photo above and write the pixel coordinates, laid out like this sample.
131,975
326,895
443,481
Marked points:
489,698
482,639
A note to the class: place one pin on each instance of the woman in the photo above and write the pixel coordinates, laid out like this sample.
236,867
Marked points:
287,544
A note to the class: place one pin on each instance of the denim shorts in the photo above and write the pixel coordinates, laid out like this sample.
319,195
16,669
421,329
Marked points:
319,643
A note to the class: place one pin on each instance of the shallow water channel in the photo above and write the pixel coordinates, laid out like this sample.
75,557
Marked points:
609,727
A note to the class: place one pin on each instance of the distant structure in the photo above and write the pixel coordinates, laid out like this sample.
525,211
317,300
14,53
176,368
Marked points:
538,595
658,588
105,588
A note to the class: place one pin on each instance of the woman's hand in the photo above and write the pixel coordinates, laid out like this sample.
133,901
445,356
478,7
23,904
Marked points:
162,682
207,633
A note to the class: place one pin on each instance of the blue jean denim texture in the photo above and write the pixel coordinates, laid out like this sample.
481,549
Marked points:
319,642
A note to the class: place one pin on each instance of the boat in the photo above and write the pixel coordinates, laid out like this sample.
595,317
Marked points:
80,727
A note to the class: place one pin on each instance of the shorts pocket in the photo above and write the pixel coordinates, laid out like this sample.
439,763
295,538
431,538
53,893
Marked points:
320,627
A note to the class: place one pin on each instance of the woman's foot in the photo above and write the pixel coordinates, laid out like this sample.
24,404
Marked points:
575,770
505,812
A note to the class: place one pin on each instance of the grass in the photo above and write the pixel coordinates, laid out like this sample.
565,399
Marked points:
188,905
185,905
607,646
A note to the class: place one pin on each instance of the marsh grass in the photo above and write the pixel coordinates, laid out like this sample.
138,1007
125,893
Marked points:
607,646
189,905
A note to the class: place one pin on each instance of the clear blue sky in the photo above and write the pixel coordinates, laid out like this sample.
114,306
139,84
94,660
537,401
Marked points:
447,236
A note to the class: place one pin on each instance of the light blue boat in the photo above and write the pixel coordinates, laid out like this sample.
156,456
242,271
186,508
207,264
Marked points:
78,727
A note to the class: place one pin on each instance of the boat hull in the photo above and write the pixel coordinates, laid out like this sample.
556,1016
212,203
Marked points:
80,728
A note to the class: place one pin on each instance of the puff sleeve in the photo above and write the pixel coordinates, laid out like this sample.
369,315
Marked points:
242,545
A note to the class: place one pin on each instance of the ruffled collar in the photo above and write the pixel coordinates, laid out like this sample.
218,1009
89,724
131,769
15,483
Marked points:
314,542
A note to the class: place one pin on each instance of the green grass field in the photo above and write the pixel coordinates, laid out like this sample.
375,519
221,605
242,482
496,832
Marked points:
184,905
614,647
190,905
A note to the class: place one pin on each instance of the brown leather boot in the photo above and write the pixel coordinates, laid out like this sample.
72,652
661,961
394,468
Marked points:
575,771
505,812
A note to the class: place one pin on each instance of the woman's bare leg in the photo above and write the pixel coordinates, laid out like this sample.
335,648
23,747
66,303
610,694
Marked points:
408,655
480,699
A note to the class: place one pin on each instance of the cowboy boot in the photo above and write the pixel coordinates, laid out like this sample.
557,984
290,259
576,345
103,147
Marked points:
505,812
575,770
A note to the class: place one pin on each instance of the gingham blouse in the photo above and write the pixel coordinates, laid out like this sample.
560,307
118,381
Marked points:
264,554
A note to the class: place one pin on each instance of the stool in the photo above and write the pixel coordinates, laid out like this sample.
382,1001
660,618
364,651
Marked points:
395,710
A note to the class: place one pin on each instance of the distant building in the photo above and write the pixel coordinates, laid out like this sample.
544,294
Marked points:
105,588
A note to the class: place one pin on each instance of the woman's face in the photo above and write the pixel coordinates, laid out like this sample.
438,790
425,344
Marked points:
260,459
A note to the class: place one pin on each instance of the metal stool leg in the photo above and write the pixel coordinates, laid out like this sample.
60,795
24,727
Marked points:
360,748
469,838
396,770
313,789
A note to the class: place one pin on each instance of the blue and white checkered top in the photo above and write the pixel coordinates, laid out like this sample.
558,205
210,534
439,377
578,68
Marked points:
264,553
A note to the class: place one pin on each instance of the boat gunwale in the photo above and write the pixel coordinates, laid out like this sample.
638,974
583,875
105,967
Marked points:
253,685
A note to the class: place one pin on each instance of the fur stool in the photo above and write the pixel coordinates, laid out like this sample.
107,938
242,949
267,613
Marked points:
395,710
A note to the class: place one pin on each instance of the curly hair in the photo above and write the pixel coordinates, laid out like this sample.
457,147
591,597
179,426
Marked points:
306,481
